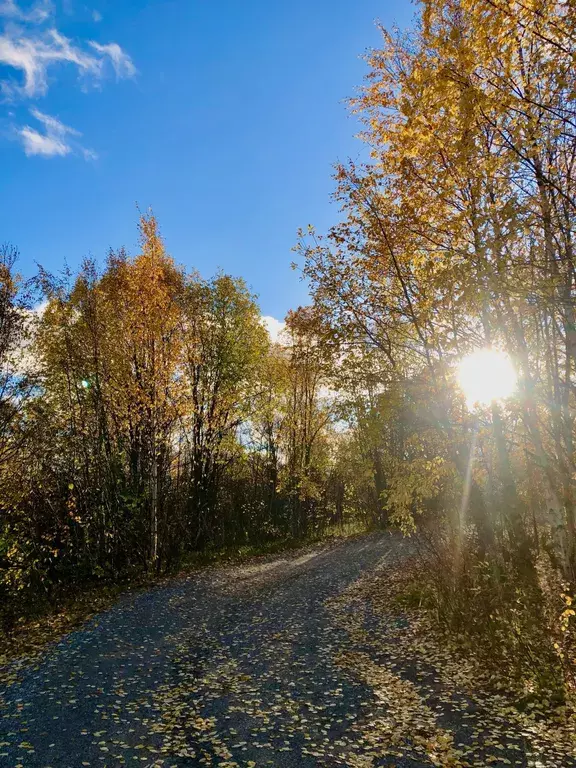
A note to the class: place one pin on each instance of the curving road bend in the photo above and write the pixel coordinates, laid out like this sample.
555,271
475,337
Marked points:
234,666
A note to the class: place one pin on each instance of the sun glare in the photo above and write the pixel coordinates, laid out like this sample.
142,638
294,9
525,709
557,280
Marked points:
486,375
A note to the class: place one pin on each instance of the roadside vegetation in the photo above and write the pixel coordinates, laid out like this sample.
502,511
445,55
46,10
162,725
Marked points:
458,236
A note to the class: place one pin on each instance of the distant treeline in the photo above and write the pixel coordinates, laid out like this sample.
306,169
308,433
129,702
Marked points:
146,415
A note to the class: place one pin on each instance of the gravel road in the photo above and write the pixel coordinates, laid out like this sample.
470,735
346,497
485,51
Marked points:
232,666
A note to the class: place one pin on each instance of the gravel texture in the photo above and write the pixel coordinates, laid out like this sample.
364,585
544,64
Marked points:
233,666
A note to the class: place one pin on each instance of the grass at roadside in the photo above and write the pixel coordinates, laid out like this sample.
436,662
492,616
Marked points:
441,699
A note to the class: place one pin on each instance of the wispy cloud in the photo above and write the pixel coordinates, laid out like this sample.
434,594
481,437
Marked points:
122,63
96,16
57,139
38,13
31,46
33,55
36,143
88,154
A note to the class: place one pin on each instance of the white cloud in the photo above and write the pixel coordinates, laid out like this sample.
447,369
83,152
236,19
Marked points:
32,49
23,360
273,326
57,140
34,54
122,63
89,154
36,143
96,16
40,308
53,125
38,13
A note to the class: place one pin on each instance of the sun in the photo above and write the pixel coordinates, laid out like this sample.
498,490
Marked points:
486,375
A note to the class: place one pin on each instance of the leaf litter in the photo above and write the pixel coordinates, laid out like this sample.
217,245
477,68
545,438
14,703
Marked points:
308,663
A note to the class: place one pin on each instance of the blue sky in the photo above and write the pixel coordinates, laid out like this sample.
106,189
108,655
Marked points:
225,117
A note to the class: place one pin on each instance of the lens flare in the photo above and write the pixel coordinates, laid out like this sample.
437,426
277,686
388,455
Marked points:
486,375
